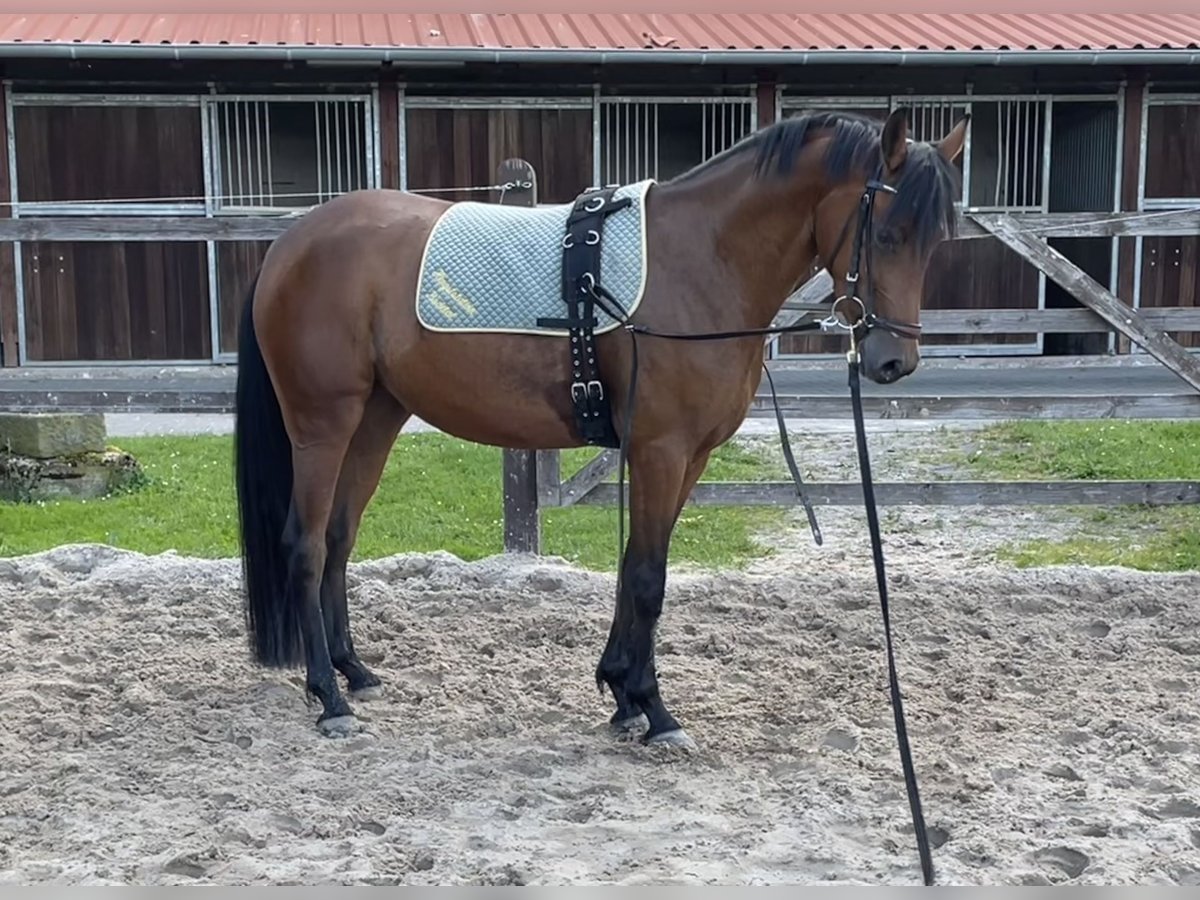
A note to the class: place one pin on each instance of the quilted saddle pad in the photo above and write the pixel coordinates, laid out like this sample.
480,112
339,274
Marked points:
488,267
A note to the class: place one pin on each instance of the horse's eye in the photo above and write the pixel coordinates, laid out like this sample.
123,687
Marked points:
887,240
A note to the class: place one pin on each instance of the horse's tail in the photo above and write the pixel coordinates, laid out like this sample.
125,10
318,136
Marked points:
263,477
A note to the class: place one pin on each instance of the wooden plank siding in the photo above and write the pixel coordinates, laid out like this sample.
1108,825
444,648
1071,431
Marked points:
1170,272
114,301
449,148
109,301
237,264
980,273
1170,276
1172,142
97,153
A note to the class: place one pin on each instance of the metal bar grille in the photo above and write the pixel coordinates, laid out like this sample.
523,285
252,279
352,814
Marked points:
266,157
1015,176
631,128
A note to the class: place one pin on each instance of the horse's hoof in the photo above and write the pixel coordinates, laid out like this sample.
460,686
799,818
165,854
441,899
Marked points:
339,726
677,738
626,727
370,692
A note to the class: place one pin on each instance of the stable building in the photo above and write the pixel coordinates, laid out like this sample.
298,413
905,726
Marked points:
151,158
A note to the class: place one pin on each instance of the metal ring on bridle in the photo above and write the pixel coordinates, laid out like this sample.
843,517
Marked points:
845,324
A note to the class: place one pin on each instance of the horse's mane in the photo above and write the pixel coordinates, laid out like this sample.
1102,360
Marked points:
928,187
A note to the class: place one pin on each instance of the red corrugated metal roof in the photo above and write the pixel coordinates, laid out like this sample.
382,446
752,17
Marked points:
601,31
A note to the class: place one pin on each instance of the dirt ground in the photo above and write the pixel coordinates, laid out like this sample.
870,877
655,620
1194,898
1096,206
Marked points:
1052,717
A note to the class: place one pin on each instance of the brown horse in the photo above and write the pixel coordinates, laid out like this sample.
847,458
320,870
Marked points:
333,361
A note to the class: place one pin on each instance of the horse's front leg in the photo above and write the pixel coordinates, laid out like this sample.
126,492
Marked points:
657,474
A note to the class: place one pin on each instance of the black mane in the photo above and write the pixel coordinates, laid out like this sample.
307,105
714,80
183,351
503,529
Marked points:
927,189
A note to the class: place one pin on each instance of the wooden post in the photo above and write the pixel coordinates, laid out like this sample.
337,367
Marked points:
522,513
389,133
764,97
9,334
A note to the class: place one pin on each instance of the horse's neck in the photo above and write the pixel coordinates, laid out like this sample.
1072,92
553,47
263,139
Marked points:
759,232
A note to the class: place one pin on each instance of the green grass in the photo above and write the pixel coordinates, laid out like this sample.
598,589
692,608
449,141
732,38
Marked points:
1151,539
1101,450
436,493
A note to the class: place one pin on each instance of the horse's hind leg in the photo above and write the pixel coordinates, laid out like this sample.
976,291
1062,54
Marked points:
316,464
361,471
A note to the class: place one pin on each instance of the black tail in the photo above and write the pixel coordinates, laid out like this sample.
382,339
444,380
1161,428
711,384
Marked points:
263,475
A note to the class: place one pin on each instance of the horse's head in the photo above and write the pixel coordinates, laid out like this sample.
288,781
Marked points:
876,236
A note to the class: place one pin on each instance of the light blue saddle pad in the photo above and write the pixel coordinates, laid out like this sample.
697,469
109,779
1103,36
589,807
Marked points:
488,267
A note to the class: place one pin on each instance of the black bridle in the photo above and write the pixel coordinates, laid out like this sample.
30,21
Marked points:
863,242
857,331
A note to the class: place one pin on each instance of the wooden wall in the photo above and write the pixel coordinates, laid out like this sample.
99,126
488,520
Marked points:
237,264
108,153
112,301
115,301
1170,272
1170,276
463,147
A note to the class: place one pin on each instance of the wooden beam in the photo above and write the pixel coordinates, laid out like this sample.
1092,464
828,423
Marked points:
593,472
1022,321
974,363
1091,293
1180,222
934,493
1158,223
813,292
145,228
764,97
992,409
549,478
522,522
1152,406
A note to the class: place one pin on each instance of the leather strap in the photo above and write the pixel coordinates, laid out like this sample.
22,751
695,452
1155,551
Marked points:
581,277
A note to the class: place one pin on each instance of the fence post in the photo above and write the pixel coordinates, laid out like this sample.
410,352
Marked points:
522,515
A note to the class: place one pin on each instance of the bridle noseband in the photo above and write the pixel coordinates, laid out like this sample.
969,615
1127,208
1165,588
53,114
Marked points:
862,238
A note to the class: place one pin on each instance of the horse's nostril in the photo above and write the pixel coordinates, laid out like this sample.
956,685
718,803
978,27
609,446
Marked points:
891,370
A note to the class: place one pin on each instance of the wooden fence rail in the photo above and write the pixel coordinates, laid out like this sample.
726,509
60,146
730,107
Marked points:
245,227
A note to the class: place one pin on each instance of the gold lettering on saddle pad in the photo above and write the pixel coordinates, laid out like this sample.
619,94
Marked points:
454,293
456,296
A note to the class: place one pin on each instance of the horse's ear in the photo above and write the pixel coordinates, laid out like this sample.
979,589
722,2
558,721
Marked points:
895,139
952,144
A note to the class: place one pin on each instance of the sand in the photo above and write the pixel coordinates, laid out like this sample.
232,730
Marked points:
1052,716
